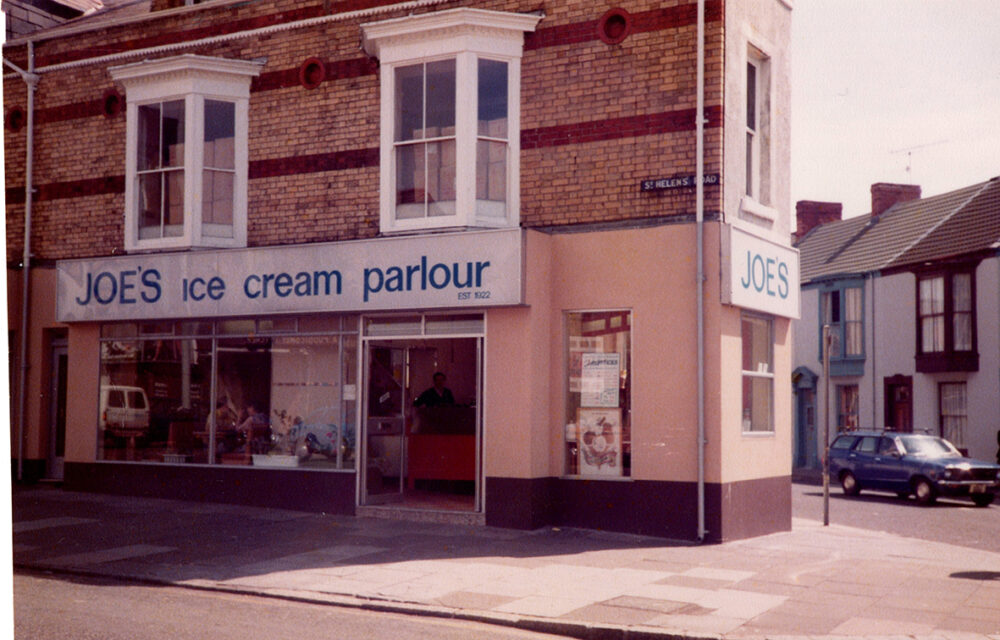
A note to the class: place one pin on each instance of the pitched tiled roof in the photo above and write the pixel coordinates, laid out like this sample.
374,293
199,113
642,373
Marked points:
973,228
952,223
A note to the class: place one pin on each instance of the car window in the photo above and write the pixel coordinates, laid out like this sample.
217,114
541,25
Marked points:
137,400
116,398
887,446
928,446
843,442
867,444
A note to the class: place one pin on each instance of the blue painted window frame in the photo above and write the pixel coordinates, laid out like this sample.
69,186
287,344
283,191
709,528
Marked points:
842,365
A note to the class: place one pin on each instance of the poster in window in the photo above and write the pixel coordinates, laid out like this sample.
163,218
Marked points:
578,345
600,442
600,377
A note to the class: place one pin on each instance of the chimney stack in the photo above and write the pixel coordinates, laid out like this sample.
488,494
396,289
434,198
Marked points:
809,214
885,194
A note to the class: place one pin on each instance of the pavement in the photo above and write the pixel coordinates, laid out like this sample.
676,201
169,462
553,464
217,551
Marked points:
811,582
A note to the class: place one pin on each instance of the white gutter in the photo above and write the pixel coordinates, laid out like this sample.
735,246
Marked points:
252,33
31,80
699,190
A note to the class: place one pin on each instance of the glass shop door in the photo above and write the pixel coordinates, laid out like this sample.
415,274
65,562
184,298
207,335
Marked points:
382,475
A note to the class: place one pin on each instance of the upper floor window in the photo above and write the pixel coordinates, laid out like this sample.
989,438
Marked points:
946,322
757,126
842,308
186,152
450,114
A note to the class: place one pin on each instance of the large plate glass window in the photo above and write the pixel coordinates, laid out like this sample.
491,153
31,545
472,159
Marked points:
598,432
274,392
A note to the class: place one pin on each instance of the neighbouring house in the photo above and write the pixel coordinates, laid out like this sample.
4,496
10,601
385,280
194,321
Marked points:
911,293
243,238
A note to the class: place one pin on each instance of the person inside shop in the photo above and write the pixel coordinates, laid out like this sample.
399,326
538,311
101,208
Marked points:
255,429
437,395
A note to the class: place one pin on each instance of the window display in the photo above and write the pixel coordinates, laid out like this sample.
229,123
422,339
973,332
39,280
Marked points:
263,393
598,427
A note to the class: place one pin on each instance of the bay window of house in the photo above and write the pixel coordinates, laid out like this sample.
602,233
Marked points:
597,438
946,322
847,407
757,334
953,410
265,392
186,151
450,113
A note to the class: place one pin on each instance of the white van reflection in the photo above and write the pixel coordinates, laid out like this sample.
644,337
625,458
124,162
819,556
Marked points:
124,410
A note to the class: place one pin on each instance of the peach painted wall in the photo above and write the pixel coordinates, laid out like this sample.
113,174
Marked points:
652,272
81,402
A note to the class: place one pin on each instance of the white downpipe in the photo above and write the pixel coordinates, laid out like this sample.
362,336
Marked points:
699,190
31,80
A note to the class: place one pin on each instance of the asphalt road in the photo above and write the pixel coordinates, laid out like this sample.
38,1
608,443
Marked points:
63,608
955,521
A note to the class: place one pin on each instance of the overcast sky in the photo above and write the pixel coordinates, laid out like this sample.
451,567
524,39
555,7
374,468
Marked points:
882,85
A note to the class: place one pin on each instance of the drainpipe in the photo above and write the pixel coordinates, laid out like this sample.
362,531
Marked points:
31,80
699,188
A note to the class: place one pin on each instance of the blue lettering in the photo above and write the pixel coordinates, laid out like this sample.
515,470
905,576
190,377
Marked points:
216,288
770,276
394,279
151,283
438,268
371,287
758,284
746,281
112,294
783,277
282,285
85,301
246,287
126,285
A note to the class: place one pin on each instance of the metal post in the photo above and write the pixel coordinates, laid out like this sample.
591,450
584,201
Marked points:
826,425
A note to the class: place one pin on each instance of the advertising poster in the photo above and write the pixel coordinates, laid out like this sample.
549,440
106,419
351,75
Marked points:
601,374
600,442
578,346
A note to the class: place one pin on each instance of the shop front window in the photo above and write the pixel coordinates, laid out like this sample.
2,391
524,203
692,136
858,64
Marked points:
598,435
263,393
758,374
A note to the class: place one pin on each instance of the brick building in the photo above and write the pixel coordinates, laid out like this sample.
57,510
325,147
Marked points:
257,231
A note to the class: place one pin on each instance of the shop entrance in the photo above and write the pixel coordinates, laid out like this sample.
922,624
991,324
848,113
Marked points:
422,423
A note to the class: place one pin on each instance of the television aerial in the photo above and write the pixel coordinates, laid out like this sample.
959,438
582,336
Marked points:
909,155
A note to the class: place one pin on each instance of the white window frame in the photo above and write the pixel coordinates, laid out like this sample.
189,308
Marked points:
193,79
759,374
465,35
757,189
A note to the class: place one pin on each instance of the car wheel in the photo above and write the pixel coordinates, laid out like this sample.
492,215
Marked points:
982,499
850,484
924,491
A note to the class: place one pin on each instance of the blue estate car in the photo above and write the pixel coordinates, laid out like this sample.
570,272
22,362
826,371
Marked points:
909,463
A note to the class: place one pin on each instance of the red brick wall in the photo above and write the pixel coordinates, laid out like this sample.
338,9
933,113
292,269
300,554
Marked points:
596,120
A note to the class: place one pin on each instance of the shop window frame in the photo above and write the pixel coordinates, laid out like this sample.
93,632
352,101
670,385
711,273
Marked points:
617,320
747,423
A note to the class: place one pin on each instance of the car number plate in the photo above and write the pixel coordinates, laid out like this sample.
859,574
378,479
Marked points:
977,488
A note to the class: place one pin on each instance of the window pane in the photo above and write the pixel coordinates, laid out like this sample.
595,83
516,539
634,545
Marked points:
597,435
174,204
931,296
847,407
954,411
852,302
492,98
440,118
410,181
154,401
441,178
962,292
217,199
932,332
757,404
173,134
751,96
148,151
491,171
220,134
756,344
409,102
962,323
150,203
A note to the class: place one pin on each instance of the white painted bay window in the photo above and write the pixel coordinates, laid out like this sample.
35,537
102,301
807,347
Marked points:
186,151
450,113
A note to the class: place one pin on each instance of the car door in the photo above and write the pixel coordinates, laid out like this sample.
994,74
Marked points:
887,469
862,458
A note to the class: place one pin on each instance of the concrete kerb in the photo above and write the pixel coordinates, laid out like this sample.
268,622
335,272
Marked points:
566,628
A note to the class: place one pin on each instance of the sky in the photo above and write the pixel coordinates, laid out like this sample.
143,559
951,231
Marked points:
903,91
